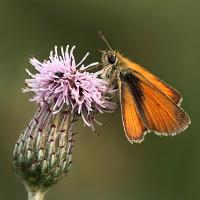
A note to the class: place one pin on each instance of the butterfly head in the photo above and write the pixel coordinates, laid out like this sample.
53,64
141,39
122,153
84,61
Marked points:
109,57
109,60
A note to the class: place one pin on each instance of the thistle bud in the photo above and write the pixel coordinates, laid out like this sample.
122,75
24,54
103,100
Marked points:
43,153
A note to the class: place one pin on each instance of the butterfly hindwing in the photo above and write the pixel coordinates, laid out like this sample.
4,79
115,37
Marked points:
133,125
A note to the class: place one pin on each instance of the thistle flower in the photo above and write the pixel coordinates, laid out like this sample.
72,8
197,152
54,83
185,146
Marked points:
64,82
63,90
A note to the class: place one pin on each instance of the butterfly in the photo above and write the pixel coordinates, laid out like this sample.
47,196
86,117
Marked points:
147,103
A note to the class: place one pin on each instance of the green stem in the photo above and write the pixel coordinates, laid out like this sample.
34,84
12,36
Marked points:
34,194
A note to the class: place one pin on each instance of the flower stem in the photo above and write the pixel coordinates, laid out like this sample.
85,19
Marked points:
35,195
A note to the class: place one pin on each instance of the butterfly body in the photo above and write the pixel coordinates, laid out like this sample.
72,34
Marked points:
147,103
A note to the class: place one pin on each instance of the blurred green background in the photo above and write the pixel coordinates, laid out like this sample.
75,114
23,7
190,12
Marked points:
160,35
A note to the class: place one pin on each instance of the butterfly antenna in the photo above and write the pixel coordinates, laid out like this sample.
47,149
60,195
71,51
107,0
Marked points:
104,39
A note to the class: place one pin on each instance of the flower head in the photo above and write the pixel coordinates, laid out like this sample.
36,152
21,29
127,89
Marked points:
61,81
63,90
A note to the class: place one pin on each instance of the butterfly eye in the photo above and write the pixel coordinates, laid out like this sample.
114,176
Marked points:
111,59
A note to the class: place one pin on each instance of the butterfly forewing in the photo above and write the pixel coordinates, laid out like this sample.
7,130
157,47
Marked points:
166,89
158,112
133,124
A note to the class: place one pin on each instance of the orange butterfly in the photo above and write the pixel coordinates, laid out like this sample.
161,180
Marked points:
147,103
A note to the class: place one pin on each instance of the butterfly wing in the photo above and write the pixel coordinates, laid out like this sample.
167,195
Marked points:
158,112
133,125
166,89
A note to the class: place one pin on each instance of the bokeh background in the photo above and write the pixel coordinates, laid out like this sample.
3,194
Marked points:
160,35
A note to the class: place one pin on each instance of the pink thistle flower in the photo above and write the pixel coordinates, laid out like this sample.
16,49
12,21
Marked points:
63,90
62,82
